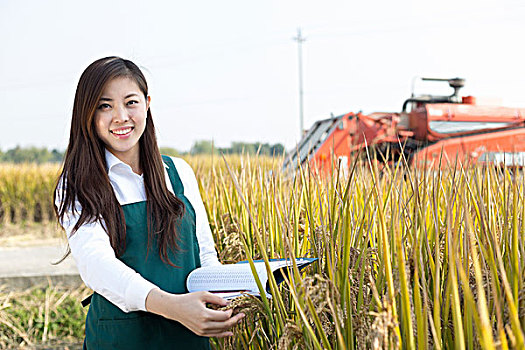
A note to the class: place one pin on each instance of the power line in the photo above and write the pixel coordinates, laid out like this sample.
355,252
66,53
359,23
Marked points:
300,39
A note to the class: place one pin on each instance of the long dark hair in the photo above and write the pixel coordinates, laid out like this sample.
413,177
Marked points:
84,177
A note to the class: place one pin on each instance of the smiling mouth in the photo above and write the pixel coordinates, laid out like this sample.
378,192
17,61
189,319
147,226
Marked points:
123,131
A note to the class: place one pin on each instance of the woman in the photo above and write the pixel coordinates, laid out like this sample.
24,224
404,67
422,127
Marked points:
135,221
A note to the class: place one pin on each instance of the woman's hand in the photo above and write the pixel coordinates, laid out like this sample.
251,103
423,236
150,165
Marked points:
190,310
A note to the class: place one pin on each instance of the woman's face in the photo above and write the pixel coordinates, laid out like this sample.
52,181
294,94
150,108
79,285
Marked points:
120,118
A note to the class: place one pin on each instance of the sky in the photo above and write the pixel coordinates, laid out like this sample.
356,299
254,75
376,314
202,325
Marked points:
228,70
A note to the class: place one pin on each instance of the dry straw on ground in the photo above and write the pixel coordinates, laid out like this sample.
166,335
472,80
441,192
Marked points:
45,316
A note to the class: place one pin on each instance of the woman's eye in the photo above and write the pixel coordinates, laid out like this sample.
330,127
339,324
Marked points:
104,106
132,102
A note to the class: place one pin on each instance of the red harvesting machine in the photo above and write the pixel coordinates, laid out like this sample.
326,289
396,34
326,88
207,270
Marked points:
429,130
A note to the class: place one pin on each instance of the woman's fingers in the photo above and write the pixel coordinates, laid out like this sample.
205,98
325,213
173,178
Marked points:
218,315
213,326
190,310
214,299
234,320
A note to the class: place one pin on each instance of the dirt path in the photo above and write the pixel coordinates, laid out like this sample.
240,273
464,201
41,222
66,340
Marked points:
27,255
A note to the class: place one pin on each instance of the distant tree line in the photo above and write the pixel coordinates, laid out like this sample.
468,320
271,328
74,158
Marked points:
43,155
207,147
31,155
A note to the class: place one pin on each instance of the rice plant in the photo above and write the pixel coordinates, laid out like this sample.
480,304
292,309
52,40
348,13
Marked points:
26,192
407,258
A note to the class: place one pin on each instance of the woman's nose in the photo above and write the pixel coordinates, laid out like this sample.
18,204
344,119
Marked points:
120,114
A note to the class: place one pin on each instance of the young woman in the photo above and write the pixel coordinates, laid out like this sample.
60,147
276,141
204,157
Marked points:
135,221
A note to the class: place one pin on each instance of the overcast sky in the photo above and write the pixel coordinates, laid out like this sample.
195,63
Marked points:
227,70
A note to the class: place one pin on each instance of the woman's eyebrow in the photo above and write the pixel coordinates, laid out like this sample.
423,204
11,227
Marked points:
128,96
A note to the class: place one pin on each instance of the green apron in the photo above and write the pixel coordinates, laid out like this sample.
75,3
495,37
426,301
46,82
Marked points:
108,327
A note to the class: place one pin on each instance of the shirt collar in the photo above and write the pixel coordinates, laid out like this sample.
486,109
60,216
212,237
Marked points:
112,161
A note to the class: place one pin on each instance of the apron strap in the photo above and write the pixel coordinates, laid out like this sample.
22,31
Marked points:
86,301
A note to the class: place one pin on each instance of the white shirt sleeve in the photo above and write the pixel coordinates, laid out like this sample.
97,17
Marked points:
208,254
103,272
100,269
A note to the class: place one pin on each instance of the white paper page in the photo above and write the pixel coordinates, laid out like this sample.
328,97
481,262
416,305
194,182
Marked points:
233,295
234,277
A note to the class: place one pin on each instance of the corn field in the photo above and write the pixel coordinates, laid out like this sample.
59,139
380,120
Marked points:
407,258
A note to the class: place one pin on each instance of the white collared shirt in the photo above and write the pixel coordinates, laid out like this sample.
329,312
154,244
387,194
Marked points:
98,266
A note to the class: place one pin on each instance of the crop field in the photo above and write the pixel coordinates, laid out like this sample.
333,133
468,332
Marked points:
407,258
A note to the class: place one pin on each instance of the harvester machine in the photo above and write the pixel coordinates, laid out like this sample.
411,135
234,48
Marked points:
430,131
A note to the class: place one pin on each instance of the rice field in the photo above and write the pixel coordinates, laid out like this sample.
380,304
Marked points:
25,192
408,258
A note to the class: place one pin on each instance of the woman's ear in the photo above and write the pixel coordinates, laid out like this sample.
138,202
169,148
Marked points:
148,101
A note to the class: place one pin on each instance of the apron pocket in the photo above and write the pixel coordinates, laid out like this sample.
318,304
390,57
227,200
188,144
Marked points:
125,333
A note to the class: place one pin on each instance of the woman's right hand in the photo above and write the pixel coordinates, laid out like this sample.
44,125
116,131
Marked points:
190,310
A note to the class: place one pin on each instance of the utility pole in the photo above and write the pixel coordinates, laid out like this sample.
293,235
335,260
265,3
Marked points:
300,39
